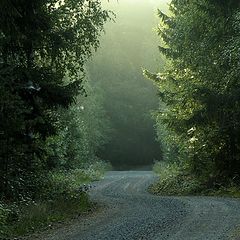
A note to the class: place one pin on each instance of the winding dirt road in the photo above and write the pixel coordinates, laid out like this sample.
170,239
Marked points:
131,213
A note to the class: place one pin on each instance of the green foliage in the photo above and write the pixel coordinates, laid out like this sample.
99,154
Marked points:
43,48
83,130
64,184
178,180
127,46
32,216
63,196
68,184
197,122
165,170
97,169
173,180
46,134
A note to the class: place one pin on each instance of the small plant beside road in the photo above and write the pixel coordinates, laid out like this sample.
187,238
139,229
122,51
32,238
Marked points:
63,196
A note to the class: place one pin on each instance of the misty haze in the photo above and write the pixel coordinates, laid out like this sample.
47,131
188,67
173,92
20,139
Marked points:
129,45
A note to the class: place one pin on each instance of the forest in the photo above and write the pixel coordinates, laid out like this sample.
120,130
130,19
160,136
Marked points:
198,119
117,71
51,121
87,86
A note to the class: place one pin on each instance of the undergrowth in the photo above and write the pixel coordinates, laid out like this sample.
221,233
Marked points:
177,180
63,196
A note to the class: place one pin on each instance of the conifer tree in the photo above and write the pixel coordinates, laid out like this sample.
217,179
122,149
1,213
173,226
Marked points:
43,47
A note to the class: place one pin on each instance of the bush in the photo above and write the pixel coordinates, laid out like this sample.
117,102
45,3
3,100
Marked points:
97,169
29,216
174,180
72,183
178,180
64,184
63,195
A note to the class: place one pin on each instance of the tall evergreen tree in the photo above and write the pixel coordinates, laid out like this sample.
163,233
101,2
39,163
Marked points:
43,47
200,86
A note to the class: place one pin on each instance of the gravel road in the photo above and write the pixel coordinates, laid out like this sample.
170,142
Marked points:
133,214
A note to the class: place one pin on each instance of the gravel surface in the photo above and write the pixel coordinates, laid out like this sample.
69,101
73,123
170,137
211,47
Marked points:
132,213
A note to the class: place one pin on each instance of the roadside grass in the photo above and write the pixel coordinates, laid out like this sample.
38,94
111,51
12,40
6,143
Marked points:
64,196
173,180
176,180
35,216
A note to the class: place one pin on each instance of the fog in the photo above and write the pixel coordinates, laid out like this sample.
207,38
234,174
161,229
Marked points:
129,45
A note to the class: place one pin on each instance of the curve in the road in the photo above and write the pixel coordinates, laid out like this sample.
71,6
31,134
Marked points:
134,214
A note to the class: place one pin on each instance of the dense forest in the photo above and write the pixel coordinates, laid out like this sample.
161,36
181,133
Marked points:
130,44
198,120
51,121
72,99
43,52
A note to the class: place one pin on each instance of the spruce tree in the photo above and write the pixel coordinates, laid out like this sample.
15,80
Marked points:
43,47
